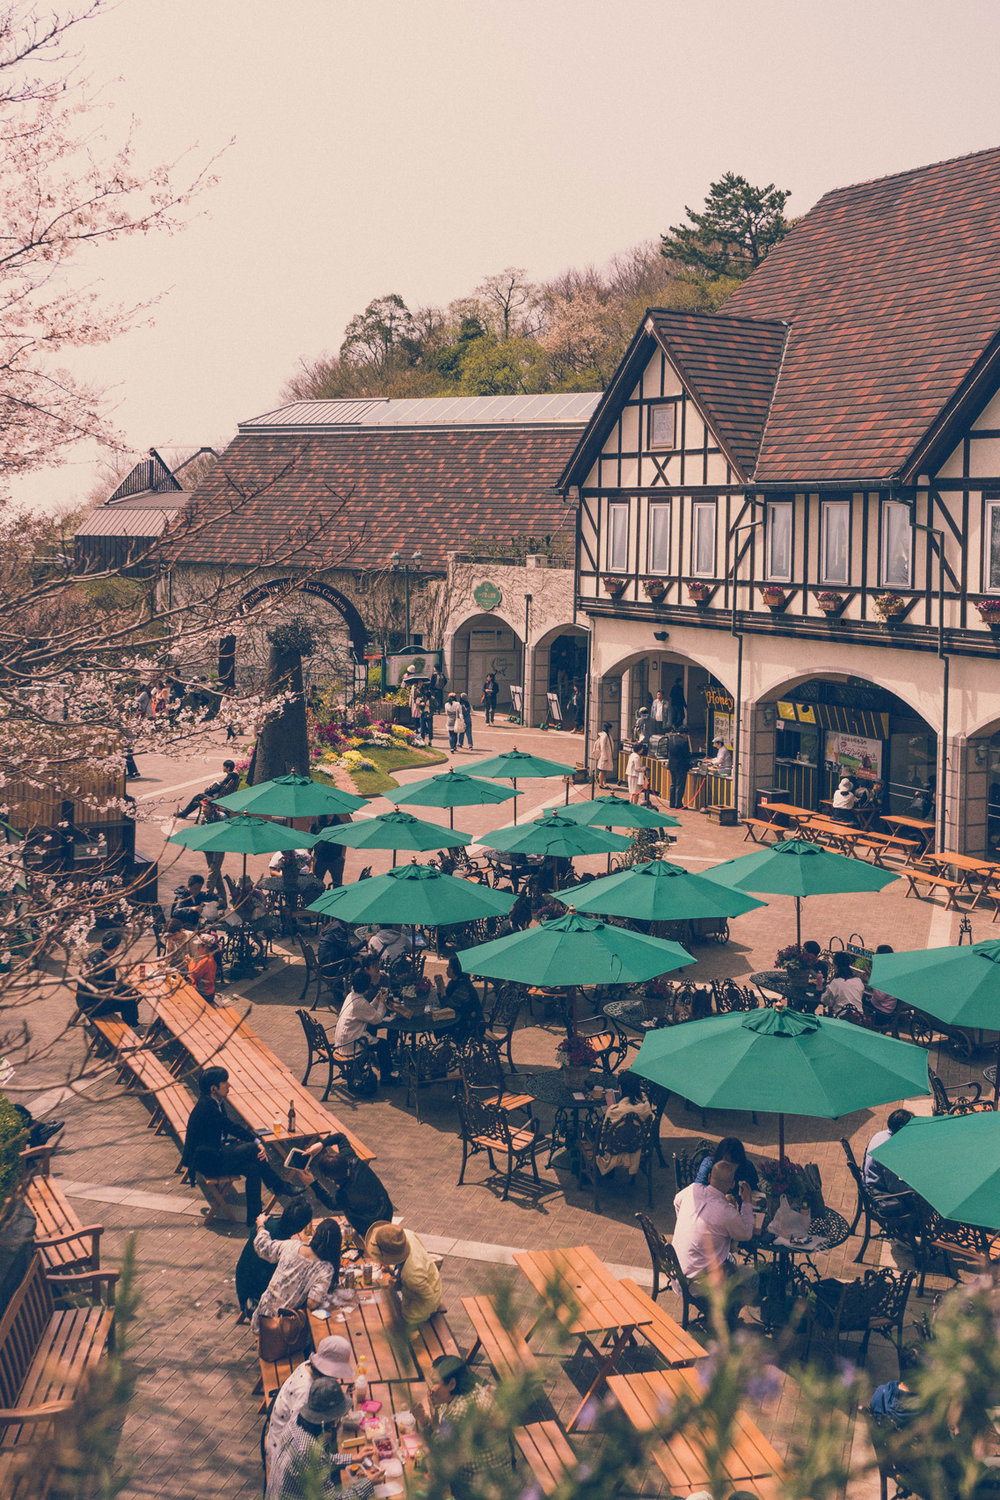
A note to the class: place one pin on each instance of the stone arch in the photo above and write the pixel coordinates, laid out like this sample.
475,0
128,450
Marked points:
483,642
319,589
556,664
637,675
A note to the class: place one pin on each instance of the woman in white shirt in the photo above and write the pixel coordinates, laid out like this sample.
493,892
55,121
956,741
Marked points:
635,775
845,990
844,801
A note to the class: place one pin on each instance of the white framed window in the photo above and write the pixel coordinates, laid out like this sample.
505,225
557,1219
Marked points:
659,537
618,536
991,546
663,425
897,545
778,541
835,541
703,539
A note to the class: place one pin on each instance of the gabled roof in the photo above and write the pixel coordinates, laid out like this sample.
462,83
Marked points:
370,491
892,291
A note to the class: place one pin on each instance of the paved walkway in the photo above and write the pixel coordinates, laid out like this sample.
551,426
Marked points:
193,1427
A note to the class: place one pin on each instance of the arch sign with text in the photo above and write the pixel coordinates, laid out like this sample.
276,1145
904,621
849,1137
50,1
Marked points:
319,590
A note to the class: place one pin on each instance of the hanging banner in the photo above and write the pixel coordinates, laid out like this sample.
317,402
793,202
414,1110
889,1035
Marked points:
854,756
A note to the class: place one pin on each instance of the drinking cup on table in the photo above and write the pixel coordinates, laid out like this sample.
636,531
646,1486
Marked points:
405,1421
367,1273
276,1129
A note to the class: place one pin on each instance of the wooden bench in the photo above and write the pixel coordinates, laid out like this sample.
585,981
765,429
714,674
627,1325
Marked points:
46,1355
170,1103
915,876
63,1243
546,1450
505,1348
664,1332
273,1374
879,844
757,828
429,1342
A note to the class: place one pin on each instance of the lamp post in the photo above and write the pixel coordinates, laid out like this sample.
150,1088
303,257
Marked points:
395,560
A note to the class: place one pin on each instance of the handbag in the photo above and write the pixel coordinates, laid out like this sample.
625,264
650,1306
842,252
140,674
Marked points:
282,1333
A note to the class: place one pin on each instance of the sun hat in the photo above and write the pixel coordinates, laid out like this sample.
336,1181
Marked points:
333,1357
326,1403
846,785
386,1243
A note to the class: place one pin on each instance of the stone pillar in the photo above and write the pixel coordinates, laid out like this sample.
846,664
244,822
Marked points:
757,744
967,796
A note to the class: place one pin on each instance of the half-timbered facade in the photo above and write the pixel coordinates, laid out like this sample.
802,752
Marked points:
794,506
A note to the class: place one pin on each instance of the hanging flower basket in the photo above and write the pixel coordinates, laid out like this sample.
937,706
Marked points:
889,607
613,585
830,603
654,588
774,598
700,593
989,611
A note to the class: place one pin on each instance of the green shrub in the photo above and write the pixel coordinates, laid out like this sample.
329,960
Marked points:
375,674
13,1138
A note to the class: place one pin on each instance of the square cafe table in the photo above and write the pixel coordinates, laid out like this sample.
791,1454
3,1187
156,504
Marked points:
602,1304
751,1462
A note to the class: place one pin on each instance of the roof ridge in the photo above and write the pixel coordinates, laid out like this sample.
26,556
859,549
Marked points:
947,161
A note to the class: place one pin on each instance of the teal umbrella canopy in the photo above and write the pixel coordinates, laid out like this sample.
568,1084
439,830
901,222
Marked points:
782,1062
616,812
958,985
516,764
796,868
450,789
953,1161
414,895
554,835
575,950
292,797
242,835
656,891
394,830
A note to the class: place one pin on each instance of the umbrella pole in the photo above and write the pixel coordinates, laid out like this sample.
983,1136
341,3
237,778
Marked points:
798,921
781,1137
393,859
451,819
513,782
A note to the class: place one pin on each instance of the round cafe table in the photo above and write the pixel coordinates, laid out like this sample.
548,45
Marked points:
548,1088
639,1013
826,1232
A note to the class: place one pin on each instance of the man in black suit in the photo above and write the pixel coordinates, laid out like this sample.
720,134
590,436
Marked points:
218,1146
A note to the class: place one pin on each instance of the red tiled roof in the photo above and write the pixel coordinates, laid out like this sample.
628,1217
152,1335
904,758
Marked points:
373,491
729,364
892,291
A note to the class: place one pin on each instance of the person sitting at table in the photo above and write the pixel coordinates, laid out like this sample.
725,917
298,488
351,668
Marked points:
890,1193
818,962
311,1436
203,970
358,1192
845,990
461,994
454,1393
630,1103
252,1273
99,991
328,857
336,945
305,1270
877,1001
732,1150
332,1359
360,1016
175,941
290,862
188,902
844,801
218,1146
418,1278
708,1221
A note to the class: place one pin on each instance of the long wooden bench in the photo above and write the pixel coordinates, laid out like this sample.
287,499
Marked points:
46,1356
63,1243
664,1332
505,1348
546,1450
273,1374
915,876
429,1342
879,844
757,828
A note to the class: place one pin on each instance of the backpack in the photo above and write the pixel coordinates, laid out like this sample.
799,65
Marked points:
361,1080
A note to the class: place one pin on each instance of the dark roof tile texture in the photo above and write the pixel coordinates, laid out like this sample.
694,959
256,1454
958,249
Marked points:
730,365
356,495
892,291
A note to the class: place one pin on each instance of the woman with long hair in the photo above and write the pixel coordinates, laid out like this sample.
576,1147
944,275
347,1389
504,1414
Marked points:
305,1270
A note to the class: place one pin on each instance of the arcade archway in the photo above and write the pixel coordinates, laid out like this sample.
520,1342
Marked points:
485,643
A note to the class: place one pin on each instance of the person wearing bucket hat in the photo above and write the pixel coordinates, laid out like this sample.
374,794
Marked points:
331,1359
313,1435
418,1278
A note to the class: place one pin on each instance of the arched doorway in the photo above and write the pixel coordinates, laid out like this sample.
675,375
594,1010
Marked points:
830,727
485,643
559,662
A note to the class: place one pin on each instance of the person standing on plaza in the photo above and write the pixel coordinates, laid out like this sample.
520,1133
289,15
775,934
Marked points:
635,774
427,717
678,747
490,693
658,714
603,751
574,709
678,704
452,719
438,683
465,733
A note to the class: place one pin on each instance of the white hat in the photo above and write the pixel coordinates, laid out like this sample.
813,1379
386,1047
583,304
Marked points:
333,1357
846,785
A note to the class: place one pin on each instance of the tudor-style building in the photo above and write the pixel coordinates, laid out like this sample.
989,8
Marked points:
794,505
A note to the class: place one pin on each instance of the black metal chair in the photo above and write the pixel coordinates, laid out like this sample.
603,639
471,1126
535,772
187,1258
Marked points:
886,1226
480,1068
331,980
485,1127
665,1264
729,996
632,1133
509,1000
874,1303
321,1049
426,1061
965,1104
686,1163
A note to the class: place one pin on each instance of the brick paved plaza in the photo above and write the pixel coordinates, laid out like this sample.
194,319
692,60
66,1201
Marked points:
193,1427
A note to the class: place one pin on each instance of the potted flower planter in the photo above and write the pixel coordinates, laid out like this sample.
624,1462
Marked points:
775,599
699,593
613,585
830,603
889,608
654,588
989,612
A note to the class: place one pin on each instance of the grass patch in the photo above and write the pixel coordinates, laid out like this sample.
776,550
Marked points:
372,783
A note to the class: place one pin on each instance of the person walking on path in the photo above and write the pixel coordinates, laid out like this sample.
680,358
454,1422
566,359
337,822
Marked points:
603,751
635,774
438,683
452,719
490,692
427,717
465,733
678,764
678,704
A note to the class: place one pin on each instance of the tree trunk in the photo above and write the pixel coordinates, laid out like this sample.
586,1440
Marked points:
283,742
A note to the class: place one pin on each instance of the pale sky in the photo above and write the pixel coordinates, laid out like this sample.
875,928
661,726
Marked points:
415,146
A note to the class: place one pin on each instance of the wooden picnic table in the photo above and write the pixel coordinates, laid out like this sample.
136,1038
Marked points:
378,1335
751,1462
789,810
984,872
601,1305
261,1086
922,827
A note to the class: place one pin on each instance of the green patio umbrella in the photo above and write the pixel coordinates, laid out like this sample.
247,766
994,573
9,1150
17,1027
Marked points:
413,895
957,985
656,891
616,812
292,797
953,1161
554,835
512,764
242,835
782,1062
451,789
575,950
395,831
796,868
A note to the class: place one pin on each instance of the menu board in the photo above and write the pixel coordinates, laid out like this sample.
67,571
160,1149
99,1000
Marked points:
853,755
